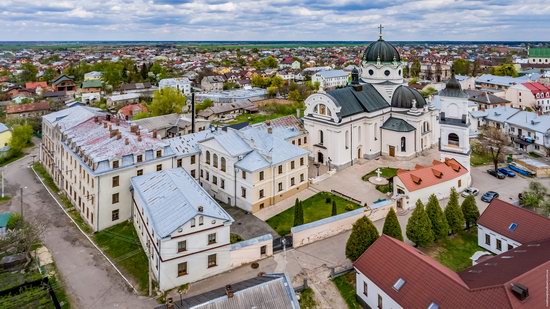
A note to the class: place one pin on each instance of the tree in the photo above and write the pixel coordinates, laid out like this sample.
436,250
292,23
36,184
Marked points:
428,91
334,209
494,141
391,226
419,227
506,69
536,197
461,67
167,101
363,234
271,91
470,211
141,115
28,72
453,213
20,138
440,226
415,68
298,213
49,75
204,105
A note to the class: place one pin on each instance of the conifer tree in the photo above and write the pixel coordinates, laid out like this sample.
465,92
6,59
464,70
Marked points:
440,226
391,226
298,213
470,211
453,213
419,227
363,234
334,210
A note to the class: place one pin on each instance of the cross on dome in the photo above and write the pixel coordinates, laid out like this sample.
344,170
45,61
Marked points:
380,28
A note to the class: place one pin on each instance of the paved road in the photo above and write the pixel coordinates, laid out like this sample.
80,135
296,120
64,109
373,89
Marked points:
89,279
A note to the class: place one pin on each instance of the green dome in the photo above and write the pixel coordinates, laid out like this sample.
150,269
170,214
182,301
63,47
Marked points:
381,50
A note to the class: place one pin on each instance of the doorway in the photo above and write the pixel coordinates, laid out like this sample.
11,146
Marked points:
359,154
320,158
392,151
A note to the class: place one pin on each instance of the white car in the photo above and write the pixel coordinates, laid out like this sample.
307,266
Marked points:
470,191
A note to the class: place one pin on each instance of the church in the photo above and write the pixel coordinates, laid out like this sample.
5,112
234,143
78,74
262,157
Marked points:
377,114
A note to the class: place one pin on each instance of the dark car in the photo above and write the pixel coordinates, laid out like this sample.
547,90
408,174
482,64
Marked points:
496,174
489,196
507,172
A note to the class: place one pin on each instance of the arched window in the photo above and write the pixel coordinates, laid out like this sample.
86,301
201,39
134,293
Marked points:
215,159
454,140
201,220
322,109
403,144
223,164
193,222
207,157
321,137
347,139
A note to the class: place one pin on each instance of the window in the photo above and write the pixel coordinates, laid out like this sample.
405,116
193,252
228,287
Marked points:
510,247
207,157
299,142
182,269
305,139
139,172
292,182
193,222
207,175
280,169
459,183
182,246
292,165
301,177
263,250
115,164
301,161
403,144
387,72
243,174
321,137
114,198
346,139
487,239
193,173
262,193
114,215
212,238
215,180
115,181
215,160
223,164
243,192
371,72
365,289
513,226
179,163
261,175
454,140
379,301
159,167
499,245
280,186
140,158
211,260
201,218
193,159
398,284
222,183
159,153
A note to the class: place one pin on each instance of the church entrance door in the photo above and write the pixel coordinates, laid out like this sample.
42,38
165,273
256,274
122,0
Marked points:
320,157
392,151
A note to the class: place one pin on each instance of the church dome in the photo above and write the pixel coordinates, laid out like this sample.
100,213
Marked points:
453,88
382,50
403,97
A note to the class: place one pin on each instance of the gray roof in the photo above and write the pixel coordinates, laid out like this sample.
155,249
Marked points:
3,128
70,117
332,73
530,121
268,291
398,125
484,97
354,101
501,113
403,97
172,197
158,122
381,50
453,88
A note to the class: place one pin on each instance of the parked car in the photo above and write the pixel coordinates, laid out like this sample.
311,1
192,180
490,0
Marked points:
470,191
489,196
496,174
507,172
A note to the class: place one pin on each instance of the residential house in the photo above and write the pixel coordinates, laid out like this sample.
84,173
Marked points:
64,83
184,232
533,95
485,99
171,125
539,56
129,111
328,79
94,75
212,83
392,274
504,226
124,99
91,86
30,110
290,63
182,84
5,138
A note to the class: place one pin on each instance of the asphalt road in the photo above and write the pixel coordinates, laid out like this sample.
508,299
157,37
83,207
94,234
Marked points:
88,277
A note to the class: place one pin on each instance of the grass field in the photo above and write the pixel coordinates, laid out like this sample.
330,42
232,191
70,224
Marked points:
307,299
477,159
346,286
455,251
122,245
315,208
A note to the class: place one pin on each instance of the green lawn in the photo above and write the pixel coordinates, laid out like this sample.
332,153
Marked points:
477,159
387,172
121,244
455,251
346,286
307,299
255,118
315,208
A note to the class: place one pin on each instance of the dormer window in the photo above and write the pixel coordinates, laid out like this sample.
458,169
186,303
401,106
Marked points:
139,158
115,164
159,153
322,109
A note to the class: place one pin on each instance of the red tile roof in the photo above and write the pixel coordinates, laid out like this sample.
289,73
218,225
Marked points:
132,109
530,226
23,108
426,280
426,176
537,88
34,85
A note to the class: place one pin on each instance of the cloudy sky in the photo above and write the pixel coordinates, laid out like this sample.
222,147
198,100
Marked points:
274,19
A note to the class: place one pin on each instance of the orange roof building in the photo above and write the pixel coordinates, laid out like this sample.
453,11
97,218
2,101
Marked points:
423,181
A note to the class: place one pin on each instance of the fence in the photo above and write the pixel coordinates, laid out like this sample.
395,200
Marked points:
347,197
251,250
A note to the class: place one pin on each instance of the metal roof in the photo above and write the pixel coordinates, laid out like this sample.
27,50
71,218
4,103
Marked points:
172,197
398,125
354,101
332,73
70,117
539,52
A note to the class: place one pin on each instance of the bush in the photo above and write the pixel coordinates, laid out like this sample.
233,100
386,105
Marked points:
363,234
327,200
14,221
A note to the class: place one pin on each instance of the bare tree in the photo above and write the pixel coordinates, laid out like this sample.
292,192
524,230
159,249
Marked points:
23,237
494,141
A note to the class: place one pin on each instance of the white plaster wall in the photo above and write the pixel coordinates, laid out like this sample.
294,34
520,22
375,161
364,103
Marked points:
492,247
371,299
251,253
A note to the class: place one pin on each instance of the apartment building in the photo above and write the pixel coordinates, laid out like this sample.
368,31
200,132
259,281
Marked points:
330,78
94,160
251,168
184,232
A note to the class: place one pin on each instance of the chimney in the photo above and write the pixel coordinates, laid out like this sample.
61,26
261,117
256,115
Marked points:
139,138
126,141
269,130
155,134
105,125
298,113
118,135
110,127
229,291
520,291
112,133
108,117
117,121
133,128
170,303
96,119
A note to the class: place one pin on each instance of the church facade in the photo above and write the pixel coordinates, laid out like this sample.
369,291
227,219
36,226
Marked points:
376,115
